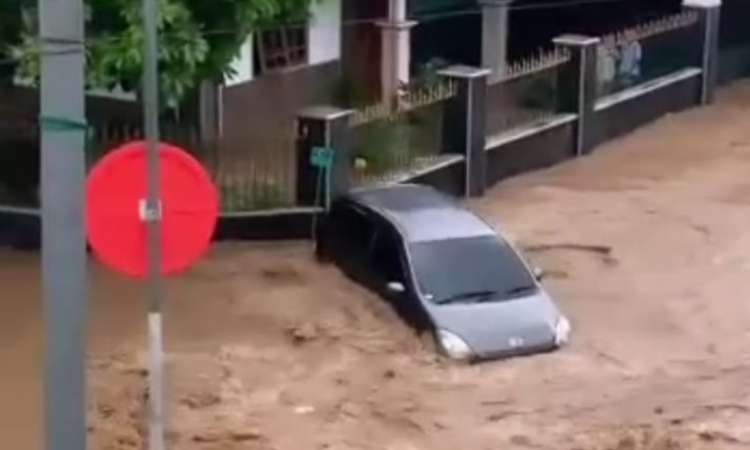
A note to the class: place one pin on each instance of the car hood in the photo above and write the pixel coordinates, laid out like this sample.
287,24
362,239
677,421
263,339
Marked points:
496,329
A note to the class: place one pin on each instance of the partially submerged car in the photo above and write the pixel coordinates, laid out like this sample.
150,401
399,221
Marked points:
446,272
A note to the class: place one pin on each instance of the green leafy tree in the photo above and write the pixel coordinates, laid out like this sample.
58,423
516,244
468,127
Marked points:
198,40
228,23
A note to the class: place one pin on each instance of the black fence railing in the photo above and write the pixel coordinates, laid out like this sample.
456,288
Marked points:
647,51
385,147
527,93
260,175
389,138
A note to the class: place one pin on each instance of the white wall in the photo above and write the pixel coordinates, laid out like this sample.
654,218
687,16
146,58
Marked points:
324,41
324,33
242,64
495,27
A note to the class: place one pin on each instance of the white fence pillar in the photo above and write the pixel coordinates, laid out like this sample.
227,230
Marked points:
709,19
396,49
495,24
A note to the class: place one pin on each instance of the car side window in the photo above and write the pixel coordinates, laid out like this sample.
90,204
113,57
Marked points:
353,228
386,255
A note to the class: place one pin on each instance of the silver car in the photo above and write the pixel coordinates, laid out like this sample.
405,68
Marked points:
446,271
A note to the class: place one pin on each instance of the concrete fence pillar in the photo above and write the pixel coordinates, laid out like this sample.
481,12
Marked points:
323,126
395,59
495,32
709,18
577,86
464,129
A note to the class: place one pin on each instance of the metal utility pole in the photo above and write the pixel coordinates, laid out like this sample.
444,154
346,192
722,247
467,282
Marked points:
64,278
153,219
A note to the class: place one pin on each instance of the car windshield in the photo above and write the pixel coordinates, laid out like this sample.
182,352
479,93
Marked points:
480,269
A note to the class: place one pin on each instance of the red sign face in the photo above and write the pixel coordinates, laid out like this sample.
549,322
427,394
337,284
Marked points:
116,192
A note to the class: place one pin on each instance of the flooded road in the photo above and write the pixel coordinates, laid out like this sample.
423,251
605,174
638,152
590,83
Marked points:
268,350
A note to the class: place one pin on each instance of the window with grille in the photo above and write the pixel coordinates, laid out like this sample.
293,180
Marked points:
282,48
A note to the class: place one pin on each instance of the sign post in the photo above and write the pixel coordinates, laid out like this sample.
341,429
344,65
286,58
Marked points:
64,280
322,159
119,219
151,212
153,219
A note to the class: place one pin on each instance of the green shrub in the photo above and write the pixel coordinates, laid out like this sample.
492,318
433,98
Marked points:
384,145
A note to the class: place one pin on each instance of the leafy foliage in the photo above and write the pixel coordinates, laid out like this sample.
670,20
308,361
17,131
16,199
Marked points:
10,35
198,40
228,23
383,145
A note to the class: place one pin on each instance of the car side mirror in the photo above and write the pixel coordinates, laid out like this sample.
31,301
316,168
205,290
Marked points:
538,273
395,287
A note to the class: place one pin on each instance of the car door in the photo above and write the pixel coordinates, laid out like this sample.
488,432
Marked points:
388,264
350,231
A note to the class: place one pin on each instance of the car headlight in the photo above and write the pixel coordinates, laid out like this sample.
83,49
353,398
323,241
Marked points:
453,346
562,331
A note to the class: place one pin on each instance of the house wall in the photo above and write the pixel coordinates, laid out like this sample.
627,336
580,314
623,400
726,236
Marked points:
324,33
362,47
259,115
323,37
256,114
243,64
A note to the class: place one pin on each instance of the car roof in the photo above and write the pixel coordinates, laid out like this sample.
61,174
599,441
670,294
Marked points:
422,213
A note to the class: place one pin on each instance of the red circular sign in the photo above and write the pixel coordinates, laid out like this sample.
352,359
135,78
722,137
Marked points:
116,191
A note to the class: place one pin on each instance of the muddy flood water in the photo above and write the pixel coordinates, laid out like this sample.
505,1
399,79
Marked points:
647,247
